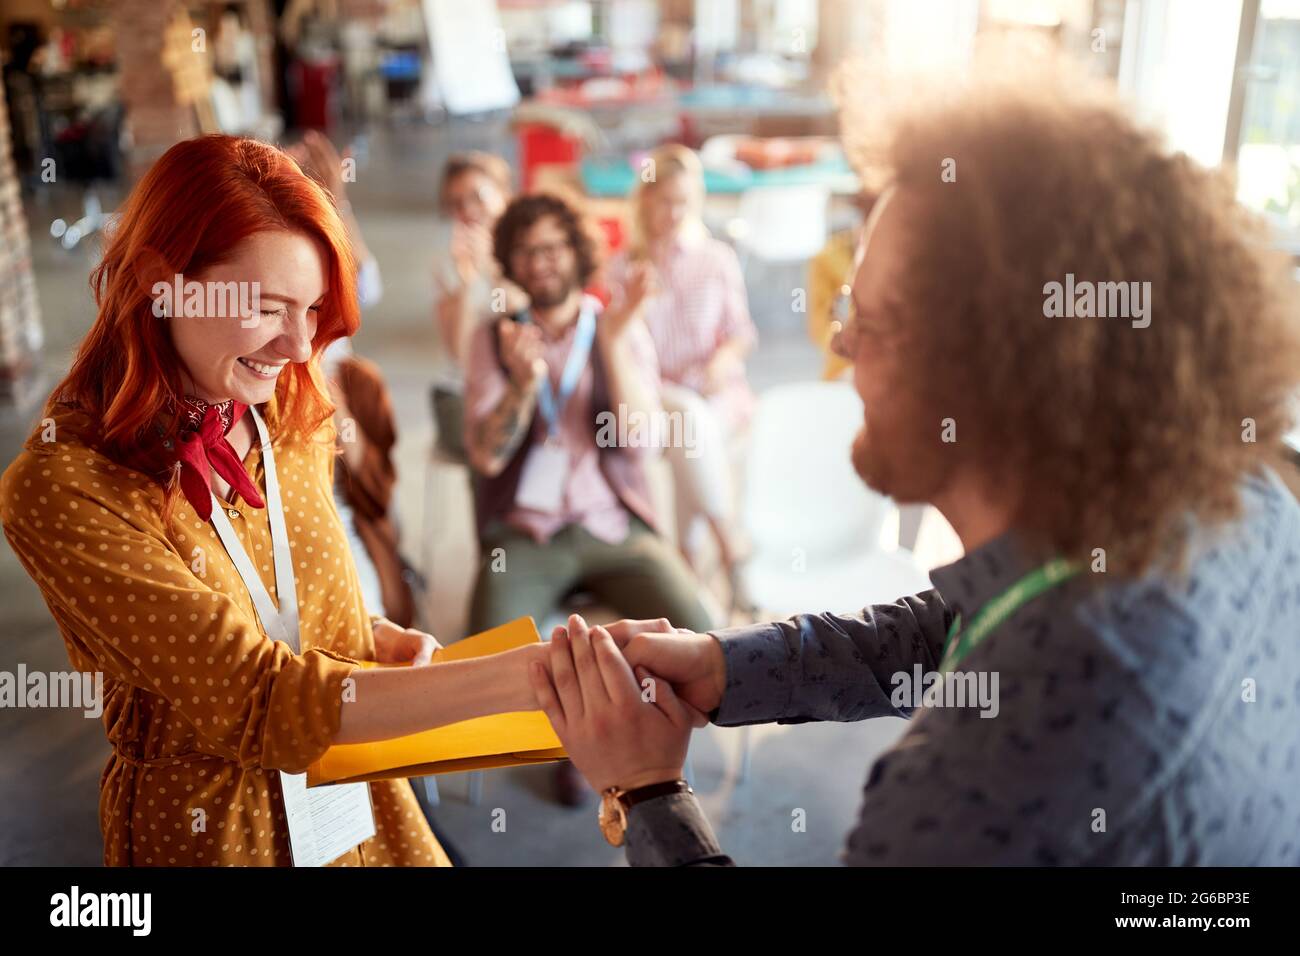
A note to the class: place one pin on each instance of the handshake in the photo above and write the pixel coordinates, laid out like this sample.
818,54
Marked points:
624,698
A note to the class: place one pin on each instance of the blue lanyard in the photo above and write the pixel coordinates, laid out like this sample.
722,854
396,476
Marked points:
550,404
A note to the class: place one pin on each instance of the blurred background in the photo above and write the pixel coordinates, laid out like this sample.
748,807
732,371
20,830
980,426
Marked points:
570,93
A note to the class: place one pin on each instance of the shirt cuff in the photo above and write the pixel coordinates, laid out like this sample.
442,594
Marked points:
305,712
670,831
759,685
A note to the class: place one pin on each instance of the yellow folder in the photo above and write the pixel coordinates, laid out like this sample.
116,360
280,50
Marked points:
500,740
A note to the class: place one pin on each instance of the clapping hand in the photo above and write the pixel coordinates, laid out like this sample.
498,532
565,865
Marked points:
641,284
521,350
471,251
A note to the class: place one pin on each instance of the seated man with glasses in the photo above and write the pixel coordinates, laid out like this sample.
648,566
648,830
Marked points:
558,509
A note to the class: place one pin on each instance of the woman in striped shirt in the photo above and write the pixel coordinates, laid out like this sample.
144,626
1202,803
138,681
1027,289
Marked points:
699,320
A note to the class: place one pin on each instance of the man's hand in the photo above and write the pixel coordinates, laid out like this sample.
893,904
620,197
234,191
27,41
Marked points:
513,298
692,663
621,729
521,351
400,645
494,438
624,630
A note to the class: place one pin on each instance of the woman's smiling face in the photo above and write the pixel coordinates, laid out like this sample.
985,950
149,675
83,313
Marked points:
239,352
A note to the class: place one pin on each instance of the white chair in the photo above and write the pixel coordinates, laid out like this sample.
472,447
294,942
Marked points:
782,223
814,527
775,231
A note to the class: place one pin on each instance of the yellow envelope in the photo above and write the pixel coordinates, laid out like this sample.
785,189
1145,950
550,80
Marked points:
500,740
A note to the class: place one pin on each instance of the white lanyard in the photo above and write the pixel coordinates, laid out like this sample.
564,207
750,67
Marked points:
324,822
549,403
280,624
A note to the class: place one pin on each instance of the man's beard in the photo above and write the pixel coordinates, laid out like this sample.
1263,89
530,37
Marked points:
908,470
871,468
542,298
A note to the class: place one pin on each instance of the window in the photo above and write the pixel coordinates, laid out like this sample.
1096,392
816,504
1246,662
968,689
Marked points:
1268,156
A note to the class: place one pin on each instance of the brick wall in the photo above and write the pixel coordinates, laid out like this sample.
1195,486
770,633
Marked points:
158,113
20,317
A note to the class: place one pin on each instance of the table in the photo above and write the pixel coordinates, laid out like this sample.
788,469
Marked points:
607,177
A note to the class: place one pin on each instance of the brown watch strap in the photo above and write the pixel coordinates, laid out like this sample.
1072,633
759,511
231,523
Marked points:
631,798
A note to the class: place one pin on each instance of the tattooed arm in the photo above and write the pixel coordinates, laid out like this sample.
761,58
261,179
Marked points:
500,406
495,439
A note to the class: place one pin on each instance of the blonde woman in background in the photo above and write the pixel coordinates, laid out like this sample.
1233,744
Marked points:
699,320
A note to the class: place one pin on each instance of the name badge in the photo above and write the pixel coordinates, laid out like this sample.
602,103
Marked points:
325,822
541,486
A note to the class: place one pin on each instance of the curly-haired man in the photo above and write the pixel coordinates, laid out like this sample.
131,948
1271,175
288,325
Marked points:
1110,674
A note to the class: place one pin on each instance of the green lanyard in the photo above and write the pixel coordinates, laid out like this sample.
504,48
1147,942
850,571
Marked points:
961,641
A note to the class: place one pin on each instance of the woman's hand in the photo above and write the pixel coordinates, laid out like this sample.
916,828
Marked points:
521,660
621,729
641,284
402,645
471,251
725,367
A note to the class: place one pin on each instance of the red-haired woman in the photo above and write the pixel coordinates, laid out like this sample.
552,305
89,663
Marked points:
176,509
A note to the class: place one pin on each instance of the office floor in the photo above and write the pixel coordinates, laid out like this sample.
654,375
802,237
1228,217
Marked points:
50,760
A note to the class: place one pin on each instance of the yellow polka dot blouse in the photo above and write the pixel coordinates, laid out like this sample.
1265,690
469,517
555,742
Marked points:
201,707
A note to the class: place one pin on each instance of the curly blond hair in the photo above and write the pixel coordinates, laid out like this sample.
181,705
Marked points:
1117,434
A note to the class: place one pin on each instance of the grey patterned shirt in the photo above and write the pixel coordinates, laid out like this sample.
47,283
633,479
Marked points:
1139,722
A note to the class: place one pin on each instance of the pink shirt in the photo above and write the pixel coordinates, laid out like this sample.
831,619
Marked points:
588,498
701,304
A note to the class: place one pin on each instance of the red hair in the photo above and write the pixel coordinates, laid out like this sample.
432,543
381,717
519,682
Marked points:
190,211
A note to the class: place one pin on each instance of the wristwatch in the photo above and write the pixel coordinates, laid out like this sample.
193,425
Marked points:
614,804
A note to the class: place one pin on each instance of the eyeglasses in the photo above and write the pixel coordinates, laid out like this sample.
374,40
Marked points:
844,326
848,328
551,251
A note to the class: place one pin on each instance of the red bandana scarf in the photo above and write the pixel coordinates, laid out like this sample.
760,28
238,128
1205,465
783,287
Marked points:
203,449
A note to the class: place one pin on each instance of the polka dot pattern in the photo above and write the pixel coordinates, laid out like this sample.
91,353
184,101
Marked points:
200,706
